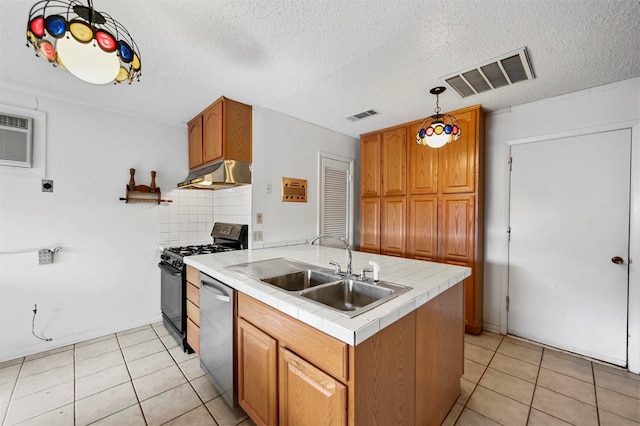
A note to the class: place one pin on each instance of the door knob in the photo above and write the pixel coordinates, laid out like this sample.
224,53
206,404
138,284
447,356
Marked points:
617,260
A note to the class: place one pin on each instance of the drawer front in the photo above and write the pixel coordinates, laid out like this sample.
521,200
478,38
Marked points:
193,275
193,336
193,312
193,294
320,349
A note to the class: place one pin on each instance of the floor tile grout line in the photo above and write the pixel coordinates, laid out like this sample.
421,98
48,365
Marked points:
535,386
595,392
13,389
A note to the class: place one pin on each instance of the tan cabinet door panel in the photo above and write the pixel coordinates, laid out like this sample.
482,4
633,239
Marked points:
423,165
456,228
308,396
195,142
393,218
370,225
394,162
423,227
370,147
212,124
257,386
458,159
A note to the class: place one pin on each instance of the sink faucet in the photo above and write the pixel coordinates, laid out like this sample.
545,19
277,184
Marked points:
342,240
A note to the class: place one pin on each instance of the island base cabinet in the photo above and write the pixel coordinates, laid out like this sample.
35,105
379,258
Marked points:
439,325
257,369
308,396
408,373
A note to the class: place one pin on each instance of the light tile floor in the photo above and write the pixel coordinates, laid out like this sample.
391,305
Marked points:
509,381
136,377
141,376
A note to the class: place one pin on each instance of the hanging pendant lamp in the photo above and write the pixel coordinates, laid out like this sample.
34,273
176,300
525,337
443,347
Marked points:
89,44
439,129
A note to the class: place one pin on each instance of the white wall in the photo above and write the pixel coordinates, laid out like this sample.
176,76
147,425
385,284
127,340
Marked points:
287,147
105,279
608,107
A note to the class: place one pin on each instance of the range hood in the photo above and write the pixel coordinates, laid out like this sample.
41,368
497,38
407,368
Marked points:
219,175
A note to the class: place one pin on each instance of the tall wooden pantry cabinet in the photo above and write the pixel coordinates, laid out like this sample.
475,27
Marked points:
426,203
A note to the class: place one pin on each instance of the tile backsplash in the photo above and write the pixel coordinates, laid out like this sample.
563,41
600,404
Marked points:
190,217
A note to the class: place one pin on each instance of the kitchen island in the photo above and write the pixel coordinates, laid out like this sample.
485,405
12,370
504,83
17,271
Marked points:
398,363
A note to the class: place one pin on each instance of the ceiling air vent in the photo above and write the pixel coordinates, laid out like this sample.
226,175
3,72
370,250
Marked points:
505,70
360,116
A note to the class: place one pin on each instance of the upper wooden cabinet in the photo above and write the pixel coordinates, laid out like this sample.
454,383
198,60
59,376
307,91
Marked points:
370,165
222,131
458,161
394,162
431,201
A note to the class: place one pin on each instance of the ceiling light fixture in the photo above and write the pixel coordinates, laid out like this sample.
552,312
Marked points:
89,44
439,129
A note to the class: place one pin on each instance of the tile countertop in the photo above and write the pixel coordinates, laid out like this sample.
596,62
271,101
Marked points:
427,279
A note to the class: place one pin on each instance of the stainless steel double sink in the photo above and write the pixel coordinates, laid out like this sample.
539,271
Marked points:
349,296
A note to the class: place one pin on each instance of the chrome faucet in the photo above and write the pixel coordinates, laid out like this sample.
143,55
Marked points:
342,240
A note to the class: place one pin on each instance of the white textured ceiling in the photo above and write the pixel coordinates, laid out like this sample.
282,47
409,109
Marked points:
321,61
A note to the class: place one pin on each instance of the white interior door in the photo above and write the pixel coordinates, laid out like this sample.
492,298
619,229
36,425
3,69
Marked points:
336,189
569,216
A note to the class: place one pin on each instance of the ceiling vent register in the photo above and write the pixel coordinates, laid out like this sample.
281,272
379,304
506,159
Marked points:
508,69
360,116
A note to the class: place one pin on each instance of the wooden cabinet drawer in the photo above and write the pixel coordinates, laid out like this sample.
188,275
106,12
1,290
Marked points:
193,312
193,294
193,275
193,336
325,352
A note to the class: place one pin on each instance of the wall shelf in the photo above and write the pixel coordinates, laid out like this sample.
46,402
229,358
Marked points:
143,193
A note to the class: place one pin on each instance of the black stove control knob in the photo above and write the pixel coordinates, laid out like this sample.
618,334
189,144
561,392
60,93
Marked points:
164,257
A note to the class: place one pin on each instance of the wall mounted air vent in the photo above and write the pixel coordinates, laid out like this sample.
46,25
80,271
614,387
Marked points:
360,116
15,141
505,70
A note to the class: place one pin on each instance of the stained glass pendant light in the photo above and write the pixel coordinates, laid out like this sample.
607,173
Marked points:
439,129
89,44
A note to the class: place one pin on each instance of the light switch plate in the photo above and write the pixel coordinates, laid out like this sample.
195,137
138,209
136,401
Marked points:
258,218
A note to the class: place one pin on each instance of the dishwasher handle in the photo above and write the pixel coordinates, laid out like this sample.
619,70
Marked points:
218,290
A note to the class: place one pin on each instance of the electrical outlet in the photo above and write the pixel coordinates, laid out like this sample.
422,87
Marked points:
267,188
257,236
47,185
258,218
45,257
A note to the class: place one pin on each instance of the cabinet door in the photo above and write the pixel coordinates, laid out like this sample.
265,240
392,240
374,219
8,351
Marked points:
422,235
212,133
423,165
393,221
370,225
370,147
457,228
309,396
458,160
257,386
195,142
394,162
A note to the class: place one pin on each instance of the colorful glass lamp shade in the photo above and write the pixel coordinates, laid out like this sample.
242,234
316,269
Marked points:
439,129
89,44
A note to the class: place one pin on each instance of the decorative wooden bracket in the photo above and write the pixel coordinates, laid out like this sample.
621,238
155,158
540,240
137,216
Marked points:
143,193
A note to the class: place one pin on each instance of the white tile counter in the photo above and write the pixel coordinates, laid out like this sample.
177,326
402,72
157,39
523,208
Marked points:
427,280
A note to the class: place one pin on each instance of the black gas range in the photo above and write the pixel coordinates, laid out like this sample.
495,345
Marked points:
173,283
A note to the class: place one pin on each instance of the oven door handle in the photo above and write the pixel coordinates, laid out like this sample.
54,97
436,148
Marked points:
218,292
169,269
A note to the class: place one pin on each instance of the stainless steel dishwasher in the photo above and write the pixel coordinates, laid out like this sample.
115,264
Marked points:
217,337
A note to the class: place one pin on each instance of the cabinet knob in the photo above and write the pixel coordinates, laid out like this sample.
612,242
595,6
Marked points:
617,260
